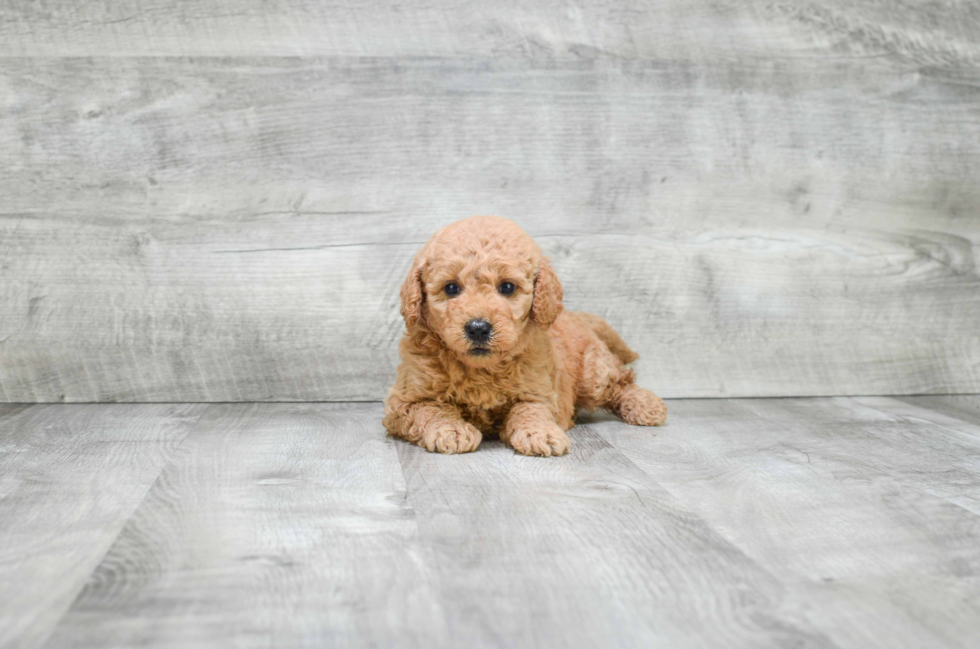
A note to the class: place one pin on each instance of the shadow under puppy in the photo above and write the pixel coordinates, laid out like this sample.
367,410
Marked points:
489,348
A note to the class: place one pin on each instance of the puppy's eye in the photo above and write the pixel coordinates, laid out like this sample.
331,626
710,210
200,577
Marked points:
452,288
506,288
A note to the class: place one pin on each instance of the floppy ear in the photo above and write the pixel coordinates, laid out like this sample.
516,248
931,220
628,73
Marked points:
547,305
412,295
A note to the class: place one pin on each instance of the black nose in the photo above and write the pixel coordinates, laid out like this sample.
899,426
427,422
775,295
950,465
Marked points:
478,331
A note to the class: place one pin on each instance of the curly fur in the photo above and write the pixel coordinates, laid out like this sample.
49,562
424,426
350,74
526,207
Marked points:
543,364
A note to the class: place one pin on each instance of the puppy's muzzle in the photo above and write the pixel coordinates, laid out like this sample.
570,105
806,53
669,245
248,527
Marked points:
478,331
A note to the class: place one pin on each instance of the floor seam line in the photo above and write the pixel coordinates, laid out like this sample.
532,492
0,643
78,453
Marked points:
191,426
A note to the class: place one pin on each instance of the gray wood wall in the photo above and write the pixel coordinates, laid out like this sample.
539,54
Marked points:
217,201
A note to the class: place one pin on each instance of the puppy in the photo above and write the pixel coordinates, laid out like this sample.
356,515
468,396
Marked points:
489,348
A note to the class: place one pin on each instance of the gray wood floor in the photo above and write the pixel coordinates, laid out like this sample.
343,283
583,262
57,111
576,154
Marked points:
841,522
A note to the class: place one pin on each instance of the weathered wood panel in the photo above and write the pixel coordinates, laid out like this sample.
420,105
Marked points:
936,33
848,523
274,525
70,477
772,201
209,230
960,406
867,509
586,551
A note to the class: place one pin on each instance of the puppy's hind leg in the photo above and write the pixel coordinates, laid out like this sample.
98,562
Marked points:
639,407
607,383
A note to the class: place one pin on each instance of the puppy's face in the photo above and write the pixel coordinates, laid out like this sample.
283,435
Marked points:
479,307
477,285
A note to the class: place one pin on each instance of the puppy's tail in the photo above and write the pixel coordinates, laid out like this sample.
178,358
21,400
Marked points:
609,336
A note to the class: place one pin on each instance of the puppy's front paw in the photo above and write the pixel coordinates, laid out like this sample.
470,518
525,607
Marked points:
450,437
545,441
641,407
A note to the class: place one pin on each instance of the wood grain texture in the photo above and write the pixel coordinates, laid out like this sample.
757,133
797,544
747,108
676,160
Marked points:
69,479
960,406
937,33
842,522
586,551
275,525
866,508
229,229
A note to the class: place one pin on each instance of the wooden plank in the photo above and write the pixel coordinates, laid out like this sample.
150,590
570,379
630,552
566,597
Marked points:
960,406
792,522
234,230
673,29
868,516
952,413
585,551
936,453
276,524
70,476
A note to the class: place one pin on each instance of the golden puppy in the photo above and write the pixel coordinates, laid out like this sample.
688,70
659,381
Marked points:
489,348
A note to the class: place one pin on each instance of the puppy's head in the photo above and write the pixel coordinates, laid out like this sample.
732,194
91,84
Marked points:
477,285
